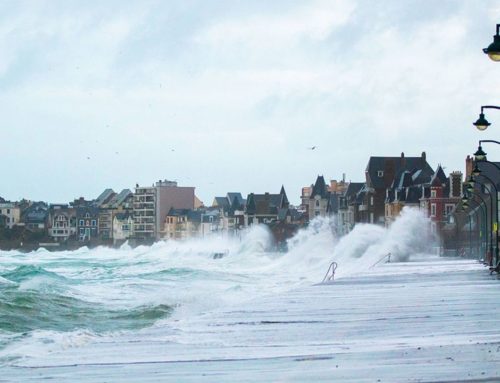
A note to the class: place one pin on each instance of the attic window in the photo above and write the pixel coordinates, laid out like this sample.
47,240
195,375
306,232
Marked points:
380,173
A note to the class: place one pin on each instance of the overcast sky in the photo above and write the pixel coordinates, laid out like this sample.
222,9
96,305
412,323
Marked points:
228,95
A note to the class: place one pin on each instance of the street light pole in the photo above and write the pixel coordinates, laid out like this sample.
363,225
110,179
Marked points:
484,225
494,227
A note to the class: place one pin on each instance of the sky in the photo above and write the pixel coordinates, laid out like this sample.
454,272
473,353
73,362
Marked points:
229,95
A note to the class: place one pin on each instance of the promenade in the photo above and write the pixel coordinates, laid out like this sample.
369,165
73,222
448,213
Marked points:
433,320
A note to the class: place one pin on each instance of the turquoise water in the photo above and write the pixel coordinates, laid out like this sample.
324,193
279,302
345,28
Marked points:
57,300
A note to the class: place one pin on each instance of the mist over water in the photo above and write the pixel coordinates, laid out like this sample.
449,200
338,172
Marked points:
74,296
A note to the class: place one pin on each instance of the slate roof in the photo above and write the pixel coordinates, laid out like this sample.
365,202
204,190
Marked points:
266,204
393,166
104,197
120,198
320,188
490,171
439,178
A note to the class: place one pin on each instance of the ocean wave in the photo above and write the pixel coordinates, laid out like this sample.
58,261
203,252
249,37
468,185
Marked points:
23,311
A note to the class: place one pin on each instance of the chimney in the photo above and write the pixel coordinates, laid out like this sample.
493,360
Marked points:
469,164
403,160
423,159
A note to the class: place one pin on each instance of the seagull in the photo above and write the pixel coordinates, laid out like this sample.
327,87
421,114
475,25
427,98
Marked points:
312,148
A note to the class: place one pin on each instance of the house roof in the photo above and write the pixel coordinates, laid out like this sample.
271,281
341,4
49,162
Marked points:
381,171
104,197
320,188
120,198
489,170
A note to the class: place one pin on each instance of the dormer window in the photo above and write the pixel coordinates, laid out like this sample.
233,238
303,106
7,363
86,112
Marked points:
380,173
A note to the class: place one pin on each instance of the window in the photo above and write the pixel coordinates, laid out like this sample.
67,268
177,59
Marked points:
87,215
448,209
125,227
380,173
80,223
433,209
317,203
82,231
94,222
371,201
433,194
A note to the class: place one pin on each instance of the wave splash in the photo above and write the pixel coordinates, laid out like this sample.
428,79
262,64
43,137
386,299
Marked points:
105,290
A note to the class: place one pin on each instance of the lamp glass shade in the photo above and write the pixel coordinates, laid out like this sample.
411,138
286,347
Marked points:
481,123
480,155
493,50
476,171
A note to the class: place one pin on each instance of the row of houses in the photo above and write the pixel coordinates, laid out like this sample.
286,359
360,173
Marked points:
390,183
166,210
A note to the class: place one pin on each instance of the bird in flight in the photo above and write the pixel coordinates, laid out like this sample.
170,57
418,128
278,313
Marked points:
312,148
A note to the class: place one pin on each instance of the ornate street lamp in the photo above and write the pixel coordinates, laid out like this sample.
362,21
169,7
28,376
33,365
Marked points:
493,212
482,123
480,155
493,50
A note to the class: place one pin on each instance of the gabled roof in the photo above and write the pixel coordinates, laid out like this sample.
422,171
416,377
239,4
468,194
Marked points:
233,195
104,197
120,198
353,188
439,178
320,188
221,202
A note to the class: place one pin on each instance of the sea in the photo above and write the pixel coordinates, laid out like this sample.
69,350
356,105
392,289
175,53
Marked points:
51,300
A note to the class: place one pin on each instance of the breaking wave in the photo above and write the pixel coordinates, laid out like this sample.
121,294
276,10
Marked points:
101,291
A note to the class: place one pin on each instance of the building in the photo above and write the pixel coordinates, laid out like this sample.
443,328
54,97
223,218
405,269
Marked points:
35,216
11,212
105,214
319,199
110,204
380,174
123,227
264,208
61,222
347,214
183,224
232,212
87,220
152,204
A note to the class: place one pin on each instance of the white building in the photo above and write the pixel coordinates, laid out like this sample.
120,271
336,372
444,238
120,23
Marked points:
11,212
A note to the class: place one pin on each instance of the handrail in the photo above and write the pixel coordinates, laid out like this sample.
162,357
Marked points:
388,256
333,266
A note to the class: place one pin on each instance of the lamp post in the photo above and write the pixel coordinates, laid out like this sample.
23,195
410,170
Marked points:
494,226
482,123
482,228
493,50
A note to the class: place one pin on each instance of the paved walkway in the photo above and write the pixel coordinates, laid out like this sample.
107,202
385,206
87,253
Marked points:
432,321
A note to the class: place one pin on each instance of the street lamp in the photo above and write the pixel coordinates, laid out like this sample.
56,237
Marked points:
482,123
493,50
494,225
483,211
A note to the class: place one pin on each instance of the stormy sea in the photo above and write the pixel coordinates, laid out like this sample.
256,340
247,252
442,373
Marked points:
51,301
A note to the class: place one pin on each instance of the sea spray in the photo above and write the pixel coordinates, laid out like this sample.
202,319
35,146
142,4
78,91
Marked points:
366,245
88,293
